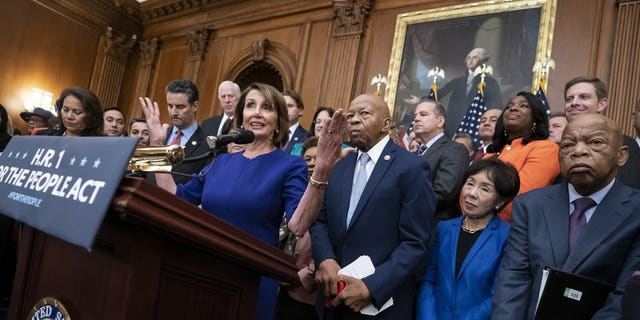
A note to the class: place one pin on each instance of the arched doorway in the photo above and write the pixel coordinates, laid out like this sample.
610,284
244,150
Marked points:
262,72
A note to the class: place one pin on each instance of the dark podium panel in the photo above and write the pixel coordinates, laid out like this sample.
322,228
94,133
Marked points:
155,257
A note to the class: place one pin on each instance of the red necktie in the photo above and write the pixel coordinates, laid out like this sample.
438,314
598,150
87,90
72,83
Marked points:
177,138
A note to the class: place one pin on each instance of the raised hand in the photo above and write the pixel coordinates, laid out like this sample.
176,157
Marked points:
157,132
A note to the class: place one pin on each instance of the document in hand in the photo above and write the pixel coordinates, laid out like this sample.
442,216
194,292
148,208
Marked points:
361,268
565,295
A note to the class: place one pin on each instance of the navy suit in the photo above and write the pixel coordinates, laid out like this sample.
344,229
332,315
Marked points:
211,125
390,224
443,294
447,160
299,136
608,249
460,100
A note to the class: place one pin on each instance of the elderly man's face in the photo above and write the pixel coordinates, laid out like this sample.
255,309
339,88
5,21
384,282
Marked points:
368,121
590,151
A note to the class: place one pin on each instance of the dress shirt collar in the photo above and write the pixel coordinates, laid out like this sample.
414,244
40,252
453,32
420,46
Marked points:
375,151
293,129
596,196
638,141
434,139
186,132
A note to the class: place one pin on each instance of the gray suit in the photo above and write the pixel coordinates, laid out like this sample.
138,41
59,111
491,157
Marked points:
448,160
608,249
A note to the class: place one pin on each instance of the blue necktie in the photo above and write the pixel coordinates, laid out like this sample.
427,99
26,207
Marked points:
358,185
578,221
422,149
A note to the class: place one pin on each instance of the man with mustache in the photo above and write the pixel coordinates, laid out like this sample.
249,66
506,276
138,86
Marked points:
588,225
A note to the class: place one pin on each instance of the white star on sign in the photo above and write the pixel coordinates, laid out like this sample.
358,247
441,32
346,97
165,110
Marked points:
83,161
72,161
96,163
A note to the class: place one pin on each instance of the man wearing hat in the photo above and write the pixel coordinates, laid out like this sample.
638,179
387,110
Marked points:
37,119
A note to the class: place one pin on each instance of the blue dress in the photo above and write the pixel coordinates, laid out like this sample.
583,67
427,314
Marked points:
251,194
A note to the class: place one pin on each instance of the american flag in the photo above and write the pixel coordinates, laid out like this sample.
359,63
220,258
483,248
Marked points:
471,121
543,98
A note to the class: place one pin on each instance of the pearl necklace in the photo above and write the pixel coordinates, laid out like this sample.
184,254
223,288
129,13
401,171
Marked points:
469,230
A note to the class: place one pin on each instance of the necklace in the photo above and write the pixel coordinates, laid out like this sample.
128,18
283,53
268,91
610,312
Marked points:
471,230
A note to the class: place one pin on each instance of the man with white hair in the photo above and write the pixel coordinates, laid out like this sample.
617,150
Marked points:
464,88
229,95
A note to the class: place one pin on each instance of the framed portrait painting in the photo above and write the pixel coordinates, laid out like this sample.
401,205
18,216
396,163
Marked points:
455,41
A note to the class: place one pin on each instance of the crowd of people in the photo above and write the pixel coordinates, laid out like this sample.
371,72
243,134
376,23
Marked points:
453,230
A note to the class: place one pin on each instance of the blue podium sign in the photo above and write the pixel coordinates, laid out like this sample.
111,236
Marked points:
62,186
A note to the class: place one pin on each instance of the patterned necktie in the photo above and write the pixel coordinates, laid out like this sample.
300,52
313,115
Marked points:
578,221
177,139
358,185
422,149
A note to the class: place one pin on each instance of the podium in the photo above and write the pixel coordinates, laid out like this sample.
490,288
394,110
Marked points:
155,257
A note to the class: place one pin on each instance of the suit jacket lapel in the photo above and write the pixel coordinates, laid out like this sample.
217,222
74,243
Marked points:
455,235
609,214
386,158
193,142
556,217
482,239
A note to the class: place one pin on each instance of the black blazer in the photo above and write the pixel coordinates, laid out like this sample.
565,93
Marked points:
196,146
447,160
210,125
628,174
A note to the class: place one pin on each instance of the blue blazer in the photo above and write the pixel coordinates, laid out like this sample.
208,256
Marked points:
443,294
607,250
299,136
391,224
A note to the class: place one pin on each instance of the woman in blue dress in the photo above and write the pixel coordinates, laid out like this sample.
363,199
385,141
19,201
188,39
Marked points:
252,189
467,251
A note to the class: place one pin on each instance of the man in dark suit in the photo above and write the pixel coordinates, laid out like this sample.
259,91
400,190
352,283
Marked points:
463,89
295,107
585,95
447,159
182,104
389,221
551,227
229,95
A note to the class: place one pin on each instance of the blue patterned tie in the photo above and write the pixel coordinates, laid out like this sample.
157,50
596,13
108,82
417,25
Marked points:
578,221
422,149
358,185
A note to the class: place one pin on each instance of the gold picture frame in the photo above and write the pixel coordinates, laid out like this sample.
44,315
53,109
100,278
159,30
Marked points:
442,37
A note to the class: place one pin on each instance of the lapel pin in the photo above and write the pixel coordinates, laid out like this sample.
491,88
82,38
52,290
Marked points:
387,157
193,143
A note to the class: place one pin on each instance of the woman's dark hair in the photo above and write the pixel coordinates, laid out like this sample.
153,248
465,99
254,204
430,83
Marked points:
330,111
91,107
538,116
311,142
504,176
4,117
277,102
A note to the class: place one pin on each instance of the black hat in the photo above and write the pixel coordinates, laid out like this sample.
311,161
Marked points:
36,112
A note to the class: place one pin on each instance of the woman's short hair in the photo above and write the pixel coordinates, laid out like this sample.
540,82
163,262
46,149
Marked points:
538,117
91,107
504,176
277,102
330,111
311,142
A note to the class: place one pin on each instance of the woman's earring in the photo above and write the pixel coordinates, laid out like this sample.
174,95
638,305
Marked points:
505,132
242,126
533,128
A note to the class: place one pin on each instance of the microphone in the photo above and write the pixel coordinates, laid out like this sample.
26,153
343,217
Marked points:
216,143
240,137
